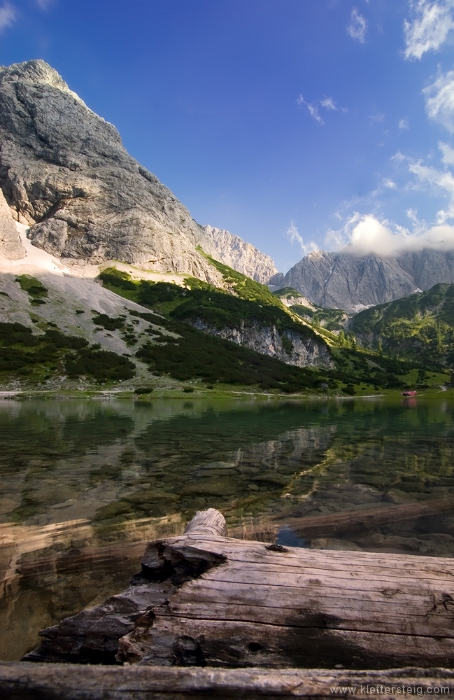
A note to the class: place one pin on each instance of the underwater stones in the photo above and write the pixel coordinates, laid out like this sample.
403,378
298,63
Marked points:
213,486
150,496
48,493
434,544
334,543
272,478
113,510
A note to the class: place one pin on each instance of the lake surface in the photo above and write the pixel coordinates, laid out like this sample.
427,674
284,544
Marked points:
84,484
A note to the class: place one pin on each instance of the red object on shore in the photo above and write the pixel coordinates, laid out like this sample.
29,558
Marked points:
409,393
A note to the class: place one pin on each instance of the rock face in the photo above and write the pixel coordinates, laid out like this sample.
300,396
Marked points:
10,243
346,281
242,256
289,346
65,172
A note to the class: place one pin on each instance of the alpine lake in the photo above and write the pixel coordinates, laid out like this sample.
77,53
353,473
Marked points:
85,484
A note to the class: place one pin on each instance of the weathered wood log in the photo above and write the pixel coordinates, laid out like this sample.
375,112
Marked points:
204,599
22,681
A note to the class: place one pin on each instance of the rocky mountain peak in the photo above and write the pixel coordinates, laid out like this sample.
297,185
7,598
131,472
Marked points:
242,256
65,173
347,281
35,71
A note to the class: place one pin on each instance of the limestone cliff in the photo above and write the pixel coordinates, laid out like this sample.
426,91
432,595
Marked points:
346,281
288,345
10,243
65,172
243,257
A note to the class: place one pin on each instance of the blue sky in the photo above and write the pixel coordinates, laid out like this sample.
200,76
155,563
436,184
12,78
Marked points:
296,124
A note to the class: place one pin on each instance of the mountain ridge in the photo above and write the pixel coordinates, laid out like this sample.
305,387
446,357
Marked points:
66,174
351,282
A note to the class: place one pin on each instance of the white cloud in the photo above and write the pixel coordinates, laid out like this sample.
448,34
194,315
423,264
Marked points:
398,157
413,216
403,124
390,184
293,235
312,108
440,100
328,103
429,26
447,153
441,180
358,26
363,235
8,14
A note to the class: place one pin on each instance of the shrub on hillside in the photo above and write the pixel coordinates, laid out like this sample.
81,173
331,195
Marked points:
102,365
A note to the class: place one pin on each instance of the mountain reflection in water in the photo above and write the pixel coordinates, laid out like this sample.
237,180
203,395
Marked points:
84,484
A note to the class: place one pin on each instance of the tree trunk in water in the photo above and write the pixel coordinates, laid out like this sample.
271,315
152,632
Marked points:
203,599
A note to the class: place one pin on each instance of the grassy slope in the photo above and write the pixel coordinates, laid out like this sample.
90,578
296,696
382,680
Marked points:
329,319
419,327
198,355
38,357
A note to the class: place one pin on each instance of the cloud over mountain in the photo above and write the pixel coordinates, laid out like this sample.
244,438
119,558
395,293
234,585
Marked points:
367,235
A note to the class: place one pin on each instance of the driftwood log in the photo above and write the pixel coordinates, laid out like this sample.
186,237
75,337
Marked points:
203,599
63,682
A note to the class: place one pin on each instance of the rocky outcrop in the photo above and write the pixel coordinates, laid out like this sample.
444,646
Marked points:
242,256
64,171
291,347
345,281
10,243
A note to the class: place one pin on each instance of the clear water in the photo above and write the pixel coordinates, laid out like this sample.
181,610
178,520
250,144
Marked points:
84,484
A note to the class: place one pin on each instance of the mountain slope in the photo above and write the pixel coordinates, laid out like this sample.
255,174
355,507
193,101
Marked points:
65,173
350,282
420,326
58,330
244,312
242,256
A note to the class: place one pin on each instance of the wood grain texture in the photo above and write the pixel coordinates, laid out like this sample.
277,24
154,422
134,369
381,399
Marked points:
26,681
204,599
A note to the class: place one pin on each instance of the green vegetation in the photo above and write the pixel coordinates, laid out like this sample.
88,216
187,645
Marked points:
184,352
143,390
245,287
101,365
107,322
287,293
214,307
419,327
117,278
197,355
331,319
354,366
53,353
34,288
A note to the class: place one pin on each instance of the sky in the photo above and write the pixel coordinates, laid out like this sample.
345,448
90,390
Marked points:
296,124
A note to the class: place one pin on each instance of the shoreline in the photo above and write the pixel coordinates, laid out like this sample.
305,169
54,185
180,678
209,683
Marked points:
178,394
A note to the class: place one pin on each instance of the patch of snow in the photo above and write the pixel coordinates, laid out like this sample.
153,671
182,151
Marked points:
329,273
34,257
